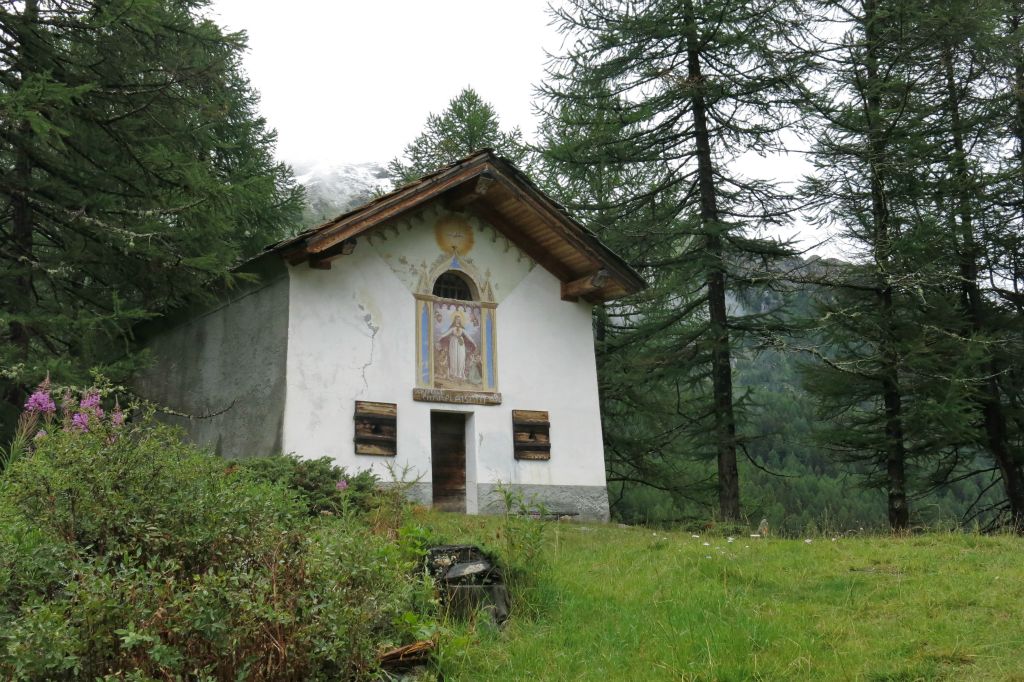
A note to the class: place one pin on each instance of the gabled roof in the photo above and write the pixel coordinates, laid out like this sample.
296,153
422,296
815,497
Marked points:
491,188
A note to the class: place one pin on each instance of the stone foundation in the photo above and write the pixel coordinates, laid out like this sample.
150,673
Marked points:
577,501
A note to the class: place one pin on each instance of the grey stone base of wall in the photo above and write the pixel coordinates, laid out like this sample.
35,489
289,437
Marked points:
577,501
419,493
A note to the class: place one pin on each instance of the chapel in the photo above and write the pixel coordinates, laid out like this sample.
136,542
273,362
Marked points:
440,334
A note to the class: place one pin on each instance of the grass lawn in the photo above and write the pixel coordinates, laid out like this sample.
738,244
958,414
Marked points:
634,604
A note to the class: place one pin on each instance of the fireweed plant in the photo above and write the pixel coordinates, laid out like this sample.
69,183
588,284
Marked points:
40,417
127,552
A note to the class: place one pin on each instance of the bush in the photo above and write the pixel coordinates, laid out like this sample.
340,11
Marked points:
33,563
319,483
126,553
145,493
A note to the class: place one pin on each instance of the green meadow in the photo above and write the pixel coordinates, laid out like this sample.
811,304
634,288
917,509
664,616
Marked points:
615,603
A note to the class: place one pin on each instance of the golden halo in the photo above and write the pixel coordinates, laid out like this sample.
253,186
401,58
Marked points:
454,233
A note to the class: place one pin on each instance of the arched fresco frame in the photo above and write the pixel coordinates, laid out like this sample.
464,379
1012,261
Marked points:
456,341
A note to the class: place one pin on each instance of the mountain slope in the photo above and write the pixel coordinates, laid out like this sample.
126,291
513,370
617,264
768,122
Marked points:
333,188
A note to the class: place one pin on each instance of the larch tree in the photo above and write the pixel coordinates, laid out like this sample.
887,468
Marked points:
700,84
467,125
859,158
902,369
136,171
1001,274
974,66
645,345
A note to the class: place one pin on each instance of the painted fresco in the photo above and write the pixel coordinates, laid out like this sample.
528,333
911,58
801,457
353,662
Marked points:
421,246
457,346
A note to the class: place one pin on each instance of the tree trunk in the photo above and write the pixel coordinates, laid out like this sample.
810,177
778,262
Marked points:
721,364
896,455
895,445
22,218
21,245
21,208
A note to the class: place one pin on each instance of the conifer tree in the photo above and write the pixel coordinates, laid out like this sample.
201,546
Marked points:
699,84
903,368
1001,274
973,76
643,343
467,125
136,169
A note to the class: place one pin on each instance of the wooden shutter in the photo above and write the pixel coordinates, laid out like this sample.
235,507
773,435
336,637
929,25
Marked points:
376,428
531,434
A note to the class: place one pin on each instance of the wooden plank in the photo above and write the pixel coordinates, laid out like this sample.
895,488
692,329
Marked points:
531,444
322,260
529,417
565,225
378,418
475,191
528,245
365,408
375,449
444,395
403,201
381,438
588,284
533,455
531,437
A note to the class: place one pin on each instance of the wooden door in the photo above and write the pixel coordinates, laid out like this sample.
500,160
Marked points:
448,460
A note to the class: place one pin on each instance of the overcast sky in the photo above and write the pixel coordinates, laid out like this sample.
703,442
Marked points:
350,82
346,82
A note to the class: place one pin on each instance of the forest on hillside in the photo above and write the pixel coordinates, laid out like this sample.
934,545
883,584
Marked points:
748,380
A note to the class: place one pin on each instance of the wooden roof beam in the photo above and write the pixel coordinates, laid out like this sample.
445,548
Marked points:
529,247
471,192
588,284
322,260
565,226
391,206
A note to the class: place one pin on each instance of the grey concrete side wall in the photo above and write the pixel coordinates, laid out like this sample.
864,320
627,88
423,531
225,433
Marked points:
579,501
223,370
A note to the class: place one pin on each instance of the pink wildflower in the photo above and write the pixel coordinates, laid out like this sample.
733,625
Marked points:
117,417
40,401
80,421
342,484
91,402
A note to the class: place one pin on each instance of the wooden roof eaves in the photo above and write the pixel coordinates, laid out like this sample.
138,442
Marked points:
322,237
575,233
359,219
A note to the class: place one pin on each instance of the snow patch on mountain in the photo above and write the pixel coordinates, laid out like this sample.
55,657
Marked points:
333,188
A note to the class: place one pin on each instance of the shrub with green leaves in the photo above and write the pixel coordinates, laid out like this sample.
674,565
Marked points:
127,553
321,484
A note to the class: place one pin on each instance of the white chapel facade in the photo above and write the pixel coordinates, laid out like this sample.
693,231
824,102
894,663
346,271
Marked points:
442,333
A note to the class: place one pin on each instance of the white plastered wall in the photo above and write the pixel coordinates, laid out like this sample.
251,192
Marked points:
352,337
